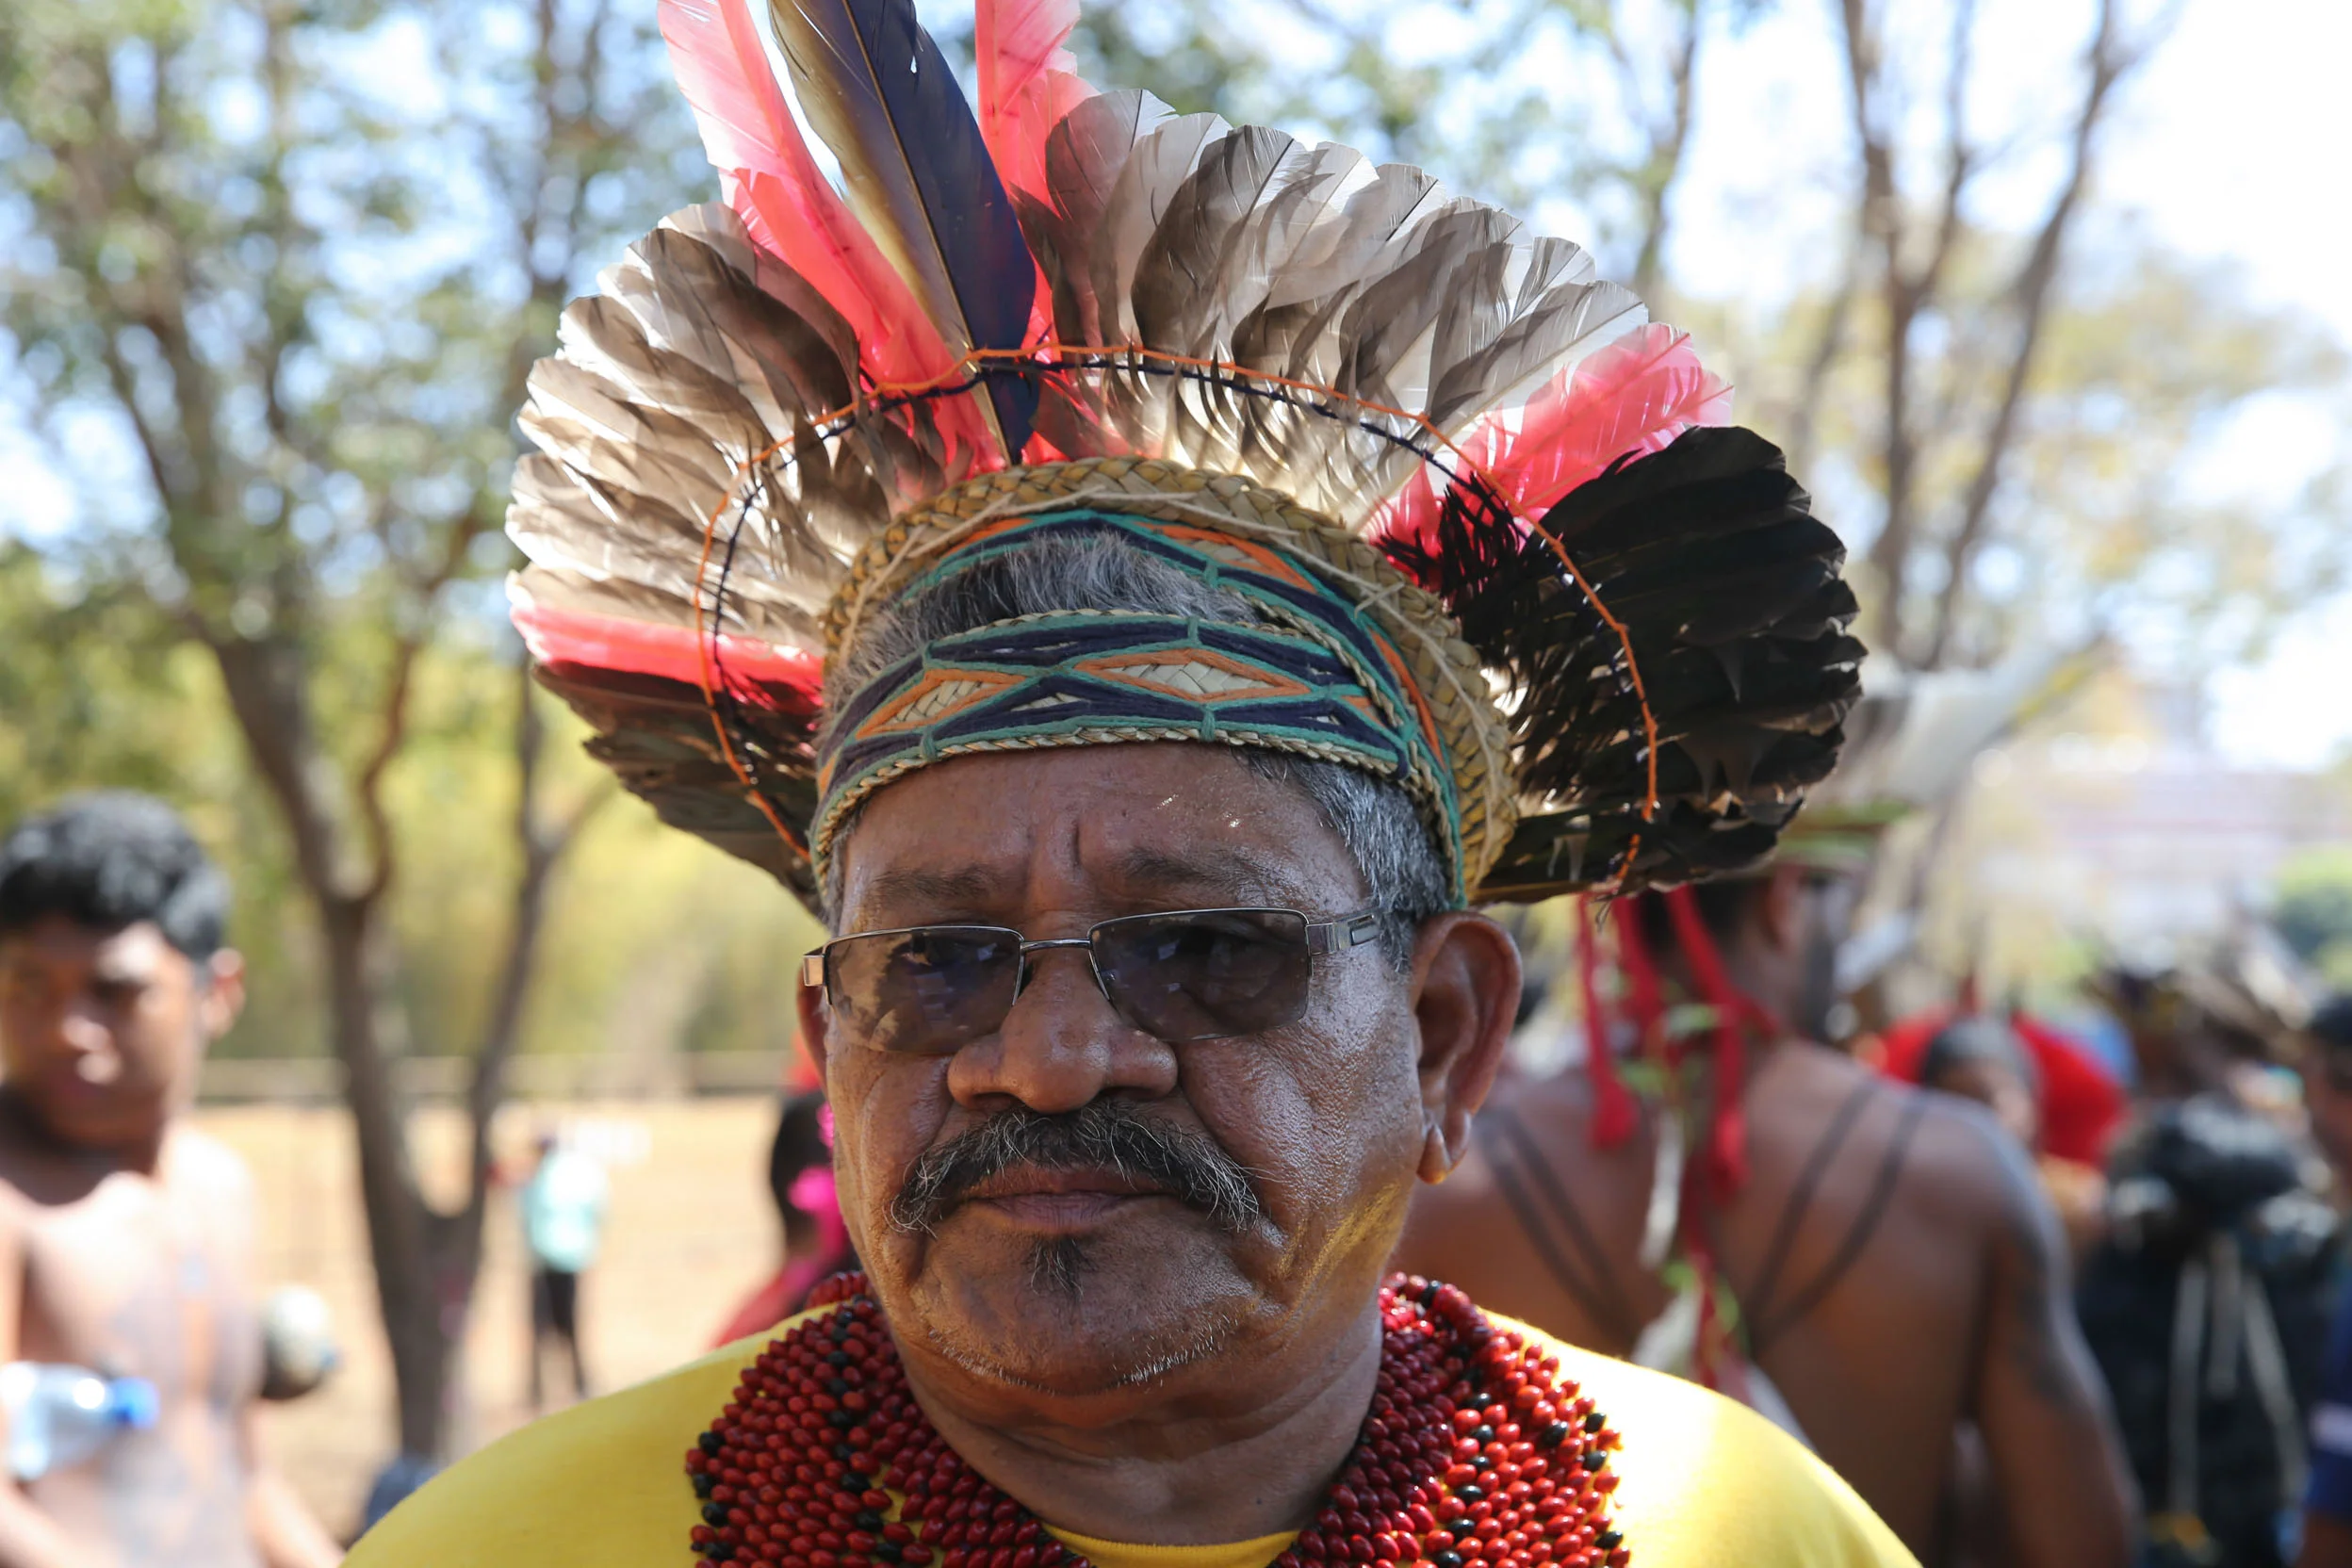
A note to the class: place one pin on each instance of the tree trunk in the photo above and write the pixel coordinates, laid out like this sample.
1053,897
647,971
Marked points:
404,1237
420,1286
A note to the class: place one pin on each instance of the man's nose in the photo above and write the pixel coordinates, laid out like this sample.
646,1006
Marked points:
83,1030
1062,1045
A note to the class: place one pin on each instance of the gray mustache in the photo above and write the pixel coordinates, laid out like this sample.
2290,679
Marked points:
1102,1134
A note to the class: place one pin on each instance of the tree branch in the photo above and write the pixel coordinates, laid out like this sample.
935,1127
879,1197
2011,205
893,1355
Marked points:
2107,61
400,679
543,845
1881,222
1663,168
1909,289
1827,348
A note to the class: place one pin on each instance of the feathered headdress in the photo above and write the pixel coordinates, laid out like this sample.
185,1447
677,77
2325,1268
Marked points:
1497,543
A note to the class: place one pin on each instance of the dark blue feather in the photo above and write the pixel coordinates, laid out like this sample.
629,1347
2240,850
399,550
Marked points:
875,87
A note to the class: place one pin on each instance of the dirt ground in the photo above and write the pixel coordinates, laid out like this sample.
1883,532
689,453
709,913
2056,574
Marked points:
690,1235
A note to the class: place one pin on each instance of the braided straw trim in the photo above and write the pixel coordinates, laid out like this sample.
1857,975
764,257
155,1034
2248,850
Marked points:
1447,674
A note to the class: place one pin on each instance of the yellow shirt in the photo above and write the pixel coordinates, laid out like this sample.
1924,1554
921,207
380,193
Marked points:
1703,1482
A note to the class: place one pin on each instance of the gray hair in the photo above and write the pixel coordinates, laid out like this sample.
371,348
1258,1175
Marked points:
1374,817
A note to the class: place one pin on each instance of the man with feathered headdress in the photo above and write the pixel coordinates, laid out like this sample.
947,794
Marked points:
1143,582
1721,1196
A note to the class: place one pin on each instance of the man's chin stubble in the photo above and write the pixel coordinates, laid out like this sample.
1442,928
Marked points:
1059,1269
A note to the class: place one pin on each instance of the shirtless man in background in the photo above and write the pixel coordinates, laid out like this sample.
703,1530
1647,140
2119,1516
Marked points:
1899,1276
126,1236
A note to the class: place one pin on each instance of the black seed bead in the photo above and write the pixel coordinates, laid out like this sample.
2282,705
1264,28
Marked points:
1470,1494
1607,1540
1484,1461
852,1482
1553,1435
1482,1434
868,1520
887,1550
840,1418
719,1551
1446,1559
841,1451
1594,1459
1594,1422
837,1358
836,1385
1461,1527
704,1482
1481,1401
713,1513
708,1442
1429,1294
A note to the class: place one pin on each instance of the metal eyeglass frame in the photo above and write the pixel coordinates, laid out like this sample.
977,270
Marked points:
1322,936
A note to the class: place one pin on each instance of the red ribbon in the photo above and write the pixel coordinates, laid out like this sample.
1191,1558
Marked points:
1614,1111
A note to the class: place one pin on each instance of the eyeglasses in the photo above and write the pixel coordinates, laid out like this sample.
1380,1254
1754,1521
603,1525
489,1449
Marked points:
1187,974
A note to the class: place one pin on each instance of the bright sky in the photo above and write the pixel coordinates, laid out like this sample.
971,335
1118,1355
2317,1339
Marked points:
2229,146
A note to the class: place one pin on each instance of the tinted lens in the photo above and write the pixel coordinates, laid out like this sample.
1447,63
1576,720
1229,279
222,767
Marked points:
924,991
1207,975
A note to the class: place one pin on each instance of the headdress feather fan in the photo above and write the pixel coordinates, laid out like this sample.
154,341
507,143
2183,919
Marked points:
1520,485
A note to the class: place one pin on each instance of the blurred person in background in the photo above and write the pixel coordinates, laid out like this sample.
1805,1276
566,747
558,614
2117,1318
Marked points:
2327,1066
816,1242
2325,1069
2208,1300
126,1236
1883,1271
564,1208
1981,1058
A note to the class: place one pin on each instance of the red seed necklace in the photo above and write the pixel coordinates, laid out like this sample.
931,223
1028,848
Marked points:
1476,1454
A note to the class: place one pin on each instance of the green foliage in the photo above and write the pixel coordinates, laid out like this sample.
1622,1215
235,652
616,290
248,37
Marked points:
655,941
2313,913
271,277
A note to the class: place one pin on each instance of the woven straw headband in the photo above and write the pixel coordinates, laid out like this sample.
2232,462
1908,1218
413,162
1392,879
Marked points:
1348,663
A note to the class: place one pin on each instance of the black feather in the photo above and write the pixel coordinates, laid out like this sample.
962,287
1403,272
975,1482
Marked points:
1727,588
657,737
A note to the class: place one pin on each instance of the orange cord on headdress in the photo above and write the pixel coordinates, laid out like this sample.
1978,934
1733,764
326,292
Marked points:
702,662
971,361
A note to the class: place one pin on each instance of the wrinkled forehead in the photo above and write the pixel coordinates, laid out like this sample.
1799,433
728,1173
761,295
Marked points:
1100,830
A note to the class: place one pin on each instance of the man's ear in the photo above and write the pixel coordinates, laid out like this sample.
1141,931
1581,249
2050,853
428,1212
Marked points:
224,995
1465,997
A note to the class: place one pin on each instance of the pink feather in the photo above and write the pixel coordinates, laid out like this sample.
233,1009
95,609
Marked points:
774,676
792,211
1027,83
1026,87
1631,398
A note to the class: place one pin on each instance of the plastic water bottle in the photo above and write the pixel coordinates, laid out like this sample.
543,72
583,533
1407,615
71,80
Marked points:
60,1415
